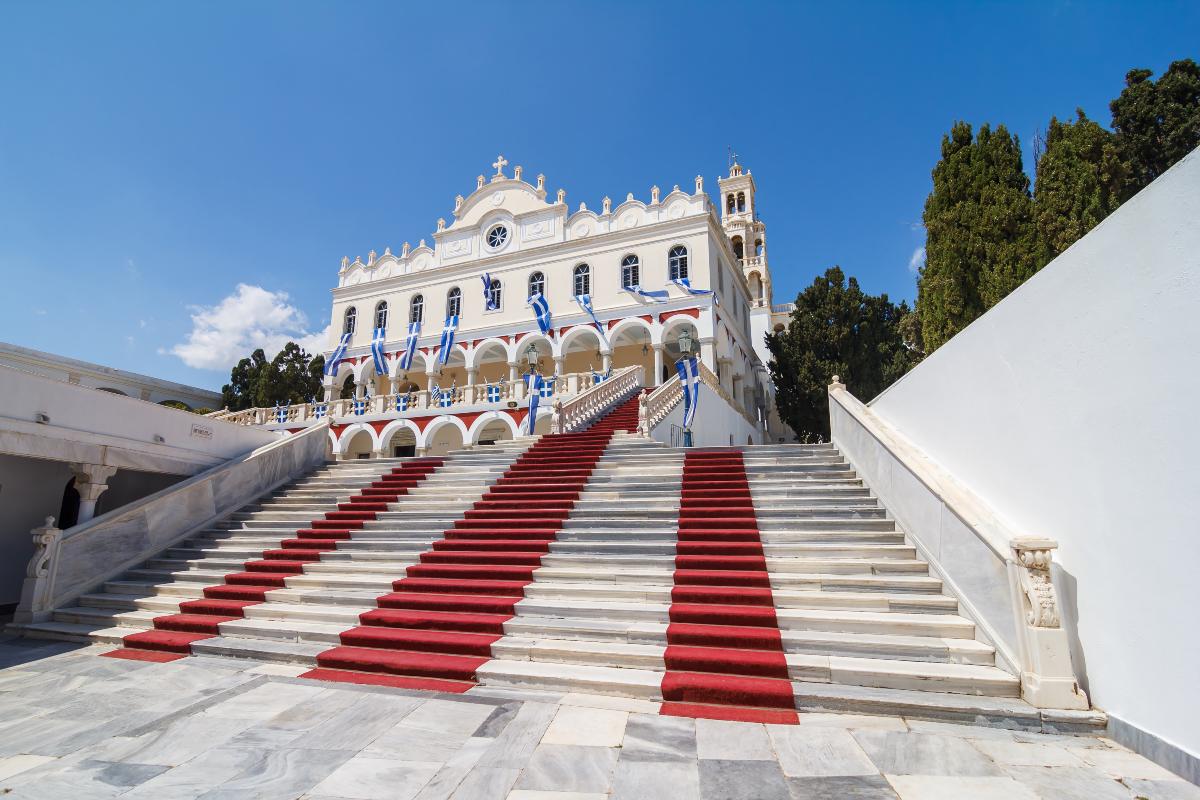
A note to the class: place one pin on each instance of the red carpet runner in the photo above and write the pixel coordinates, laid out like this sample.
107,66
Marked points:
173,634
724,653
437,628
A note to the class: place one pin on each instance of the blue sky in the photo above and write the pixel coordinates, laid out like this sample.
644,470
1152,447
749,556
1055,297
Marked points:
154,156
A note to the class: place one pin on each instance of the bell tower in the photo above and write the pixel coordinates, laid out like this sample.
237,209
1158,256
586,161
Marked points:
746,232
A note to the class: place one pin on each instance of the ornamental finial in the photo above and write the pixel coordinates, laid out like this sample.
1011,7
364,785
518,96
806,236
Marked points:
500,163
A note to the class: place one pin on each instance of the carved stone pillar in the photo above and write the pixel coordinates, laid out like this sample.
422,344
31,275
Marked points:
513,375
658,366
558,365
91,481
469,395
360,390
37,592
606,365
1047,676
643,414
708,353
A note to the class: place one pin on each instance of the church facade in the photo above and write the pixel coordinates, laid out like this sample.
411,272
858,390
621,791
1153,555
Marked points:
624,285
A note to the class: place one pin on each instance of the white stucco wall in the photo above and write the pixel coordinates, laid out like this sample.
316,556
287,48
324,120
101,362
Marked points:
1070,409
716,424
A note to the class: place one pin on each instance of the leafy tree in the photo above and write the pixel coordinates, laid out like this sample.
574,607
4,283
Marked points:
836,329
291,377
980,233
1157,122
1080,181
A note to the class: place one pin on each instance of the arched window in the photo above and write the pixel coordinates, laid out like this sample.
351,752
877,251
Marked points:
537,284
416,309
729,204
758,248
631,272
583,280
741,202
381,314
677,266
494,293
454,302
350,321
738,249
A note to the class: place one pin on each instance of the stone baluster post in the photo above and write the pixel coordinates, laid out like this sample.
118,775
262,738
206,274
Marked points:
91,481
658,365
37,592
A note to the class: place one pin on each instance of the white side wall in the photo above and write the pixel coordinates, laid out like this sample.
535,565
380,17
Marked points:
716,424
1070,409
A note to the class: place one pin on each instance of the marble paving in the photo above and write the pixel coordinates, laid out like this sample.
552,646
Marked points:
76,726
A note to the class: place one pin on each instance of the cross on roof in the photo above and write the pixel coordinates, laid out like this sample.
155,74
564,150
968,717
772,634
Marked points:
500,163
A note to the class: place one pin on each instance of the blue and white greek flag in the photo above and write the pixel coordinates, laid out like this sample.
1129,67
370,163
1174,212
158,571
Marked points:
653,296
338,354
359,407
281,413
320,409
488,302
410,346
493,393
689,382
435,395
535,397
447,342
447,398
596,377
686,285
541,310
402,402
548,384
585,302
377,351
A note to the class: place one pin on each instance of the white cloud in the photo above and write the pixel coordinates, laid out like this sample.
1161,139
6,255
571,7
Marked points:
249,318
916,260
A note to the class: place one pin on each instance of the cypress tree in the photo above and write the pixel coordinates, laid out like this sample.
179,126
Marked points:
980,233
1157,122
1080,181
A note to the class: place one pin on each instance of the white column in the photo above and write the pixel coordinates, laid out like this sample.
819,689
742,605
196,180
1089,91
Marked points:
558,365
658,366
91,481
606,365
708,353
513,375
469,393
360,390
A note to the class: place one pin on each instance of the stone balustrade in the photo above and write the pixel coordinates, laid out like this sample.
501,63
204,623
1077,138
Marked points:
593,402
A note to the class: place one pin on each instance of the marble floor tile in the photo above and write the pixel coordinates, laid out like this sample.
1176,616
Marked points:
405,742
649,737
287,670
569,768
89,778
497,721
1068,783
513,748
177,742
588,727
963,731
855,787
1025,754
486,783
455,770
853,721
14,765
534,794
1123,764
366,778
449,716
660,780
263,702
359,725
1177,789
814,752
632,705
943,787
281,775
733,741
199,775
924,754
742,780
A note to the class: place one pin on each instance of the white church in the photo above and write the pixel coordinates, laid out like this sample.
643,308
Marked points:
624,287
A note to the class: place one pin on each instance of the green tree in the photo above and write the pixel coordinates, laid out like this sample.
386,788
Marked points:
980,233
238,394
293,376
1080,181
836,329
1157,122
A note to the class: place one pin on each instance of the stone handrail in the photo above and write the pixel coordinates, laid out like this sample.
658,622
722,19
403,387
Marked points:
653,407
1002,578
69,563
593,402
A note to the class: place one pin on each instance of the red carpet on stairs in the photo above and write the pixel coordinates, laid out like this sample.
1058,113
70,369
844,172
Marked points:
724,653
436,629
173,634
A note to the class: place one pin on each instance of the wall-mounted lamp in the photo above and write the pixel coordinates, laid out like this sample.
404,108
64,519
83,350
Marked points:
159,439
41,419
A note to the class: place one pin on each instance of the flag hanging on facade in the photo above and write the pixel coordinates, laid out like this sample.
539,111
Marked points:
689,382
338,354
493,393
541,310
585,302
548,384
447,341
377,351
488,302
281,412
535,396
410,346
686,285
359,406
402,403
319,409
653,296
